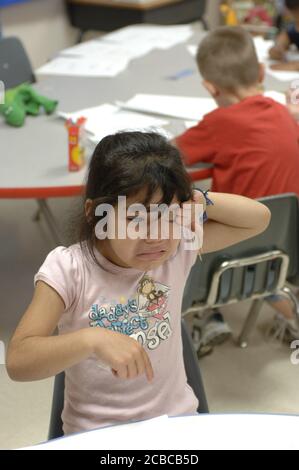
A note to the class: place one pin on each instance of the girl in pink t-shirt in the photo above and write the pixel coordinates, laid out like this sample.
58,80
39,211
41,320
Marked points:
116,294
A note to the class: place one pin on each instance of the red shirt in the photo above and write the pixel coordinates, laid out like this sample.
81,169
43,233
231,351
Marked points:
253,146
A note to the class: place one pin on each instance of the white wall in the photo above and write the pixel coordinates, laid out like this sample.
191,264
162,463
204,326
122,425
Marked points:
42,25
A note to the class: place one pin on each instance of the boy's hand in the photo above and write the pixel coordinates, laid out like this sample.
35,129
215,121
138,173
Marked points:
124,355
277,53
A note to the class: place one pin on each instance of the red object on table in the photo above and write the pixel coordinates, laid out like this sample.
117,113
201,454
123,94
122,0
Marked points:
76,143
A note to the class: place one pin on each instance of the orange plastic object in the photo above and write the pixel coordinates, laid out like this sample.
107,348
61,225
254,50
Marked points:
76,136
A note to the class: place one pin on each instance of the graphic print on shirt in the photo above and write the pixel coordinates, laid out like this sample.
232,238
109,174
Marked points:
144,317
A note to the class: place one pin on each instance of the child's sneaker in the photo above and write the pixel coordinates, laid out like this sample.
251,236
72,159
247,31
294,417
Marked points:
201,349
283,329
210,331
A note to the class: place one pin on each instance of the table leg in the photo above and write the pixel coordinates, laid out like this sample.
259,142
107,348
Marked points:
45,210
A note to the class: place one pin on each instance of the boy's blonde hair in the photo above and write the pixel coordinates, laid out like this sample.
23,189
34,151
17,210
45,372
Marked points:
227,58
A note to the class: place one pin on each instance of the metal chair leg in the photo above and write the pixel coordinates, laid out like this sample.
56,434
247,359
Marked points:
291,296
250,322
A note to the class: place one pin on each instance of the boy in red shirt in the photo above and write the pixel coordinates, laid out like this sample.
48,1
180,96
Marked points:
251,140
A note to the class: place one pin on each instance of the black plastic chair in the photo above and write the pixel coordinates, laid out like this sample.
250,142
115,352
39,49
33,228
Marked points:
252,269
15,66
193,376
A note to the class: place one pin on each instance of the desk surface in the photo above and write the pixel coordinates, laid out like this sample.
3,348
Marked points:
34,157
226,431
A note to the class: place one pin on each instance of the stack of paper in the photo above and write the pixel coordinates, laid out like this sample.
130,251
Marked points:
161,37
191,110
183,107
85,66
108,119
110,55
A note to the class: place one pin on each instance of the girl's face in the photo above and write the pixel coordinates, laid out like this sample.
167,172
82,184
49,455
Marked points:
145,252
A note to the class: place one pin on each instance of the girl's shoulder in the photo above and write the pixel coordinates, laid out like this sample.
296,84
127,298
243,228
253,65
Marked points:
62,270
65,257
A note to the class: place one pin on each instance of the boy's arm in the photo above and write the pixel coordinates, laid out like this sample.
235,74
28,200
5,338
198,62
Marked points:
232,219
196,144
277,52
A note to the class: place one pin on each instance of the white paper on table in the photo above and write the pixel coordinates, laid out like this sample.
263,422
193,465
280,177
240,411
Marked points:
108,119
276,96
191,48
162,37
89,66
282,75
262,47
189,124
107,51
174,106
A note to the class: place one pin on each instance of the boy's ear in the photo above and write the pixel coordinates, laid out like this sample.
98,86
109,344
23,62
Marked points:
261,73
211,88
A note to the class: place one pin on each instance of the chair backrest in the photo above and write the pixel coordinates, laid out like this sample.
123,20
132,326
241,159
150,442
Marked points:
15,66
193,376
248,278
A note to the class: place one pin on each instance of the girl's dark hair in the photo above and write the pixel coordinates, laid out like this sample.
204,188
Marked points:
124,164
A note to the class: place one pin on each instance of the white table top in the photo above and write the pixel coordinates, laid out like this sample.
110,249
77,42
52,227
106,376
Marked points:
226,431
34,158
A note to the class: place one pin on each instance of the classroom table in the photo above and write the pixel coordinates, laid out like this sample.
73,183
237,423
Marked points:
34,158
205,431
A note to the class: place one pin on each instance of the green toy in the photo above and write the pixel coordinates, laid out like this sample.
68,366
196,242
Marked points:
24,100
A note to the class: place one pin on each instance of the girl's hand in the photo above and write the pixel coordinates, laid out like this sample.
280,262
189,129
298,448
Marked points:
189,216
124,355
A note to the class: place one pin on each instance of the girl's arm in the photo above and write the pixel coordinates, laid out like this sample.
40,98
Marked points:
232,219
34,354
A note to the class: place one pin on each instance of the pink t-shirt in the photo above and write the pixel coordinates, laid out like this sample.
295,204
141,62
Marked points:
110,296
